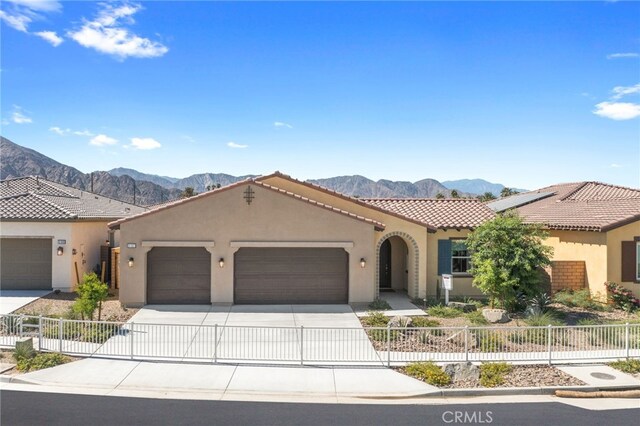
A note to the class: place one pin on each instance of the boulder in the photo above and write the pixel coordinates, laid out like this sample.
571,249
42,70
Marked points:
464,307
25,345
495,315
462,371
400,322
458,339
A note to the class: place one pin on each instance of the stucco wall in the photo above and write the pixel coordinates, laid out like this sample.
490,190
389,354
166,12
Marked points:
225,217
591,247
91,234
417,275
614,251
462,284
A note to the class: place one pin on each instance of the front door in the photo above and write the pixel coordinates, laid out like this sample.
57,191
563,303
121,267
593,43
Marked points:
385,265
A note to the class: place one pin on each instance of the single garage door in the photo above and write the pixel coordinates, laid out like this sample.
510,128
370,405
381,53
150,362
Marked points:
25,263
291,275
178,275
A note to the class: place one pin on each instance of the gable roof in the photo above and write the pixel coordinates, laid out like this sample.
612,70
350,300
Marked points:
32,199
379,226
445,213
354,200
581,206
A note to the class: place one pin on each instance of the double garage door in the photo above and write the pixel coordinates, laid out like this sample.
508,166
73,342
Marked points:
182,275
25,263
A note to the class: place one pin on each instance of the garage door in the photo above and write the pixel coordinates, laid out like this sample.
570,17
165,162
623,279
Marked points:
25,263
178,275
290,275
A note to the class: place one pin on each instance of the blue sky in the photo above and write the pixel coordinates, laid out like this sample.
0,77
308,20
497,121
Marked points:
525,94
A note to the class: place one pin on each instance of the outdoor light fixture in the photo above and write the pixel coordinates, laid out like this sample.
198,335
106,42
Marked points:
363,262
131,262
60,251
221,262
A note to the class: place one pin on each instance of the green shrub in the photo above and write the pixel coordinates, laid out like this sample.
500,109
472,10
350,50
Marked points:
428,372
444,312
492,374
23,352
379,305
476,318
543,320
578,299
492,342
621,297
40,361
424,322
375,319
91,293
631,366
380,335
588,321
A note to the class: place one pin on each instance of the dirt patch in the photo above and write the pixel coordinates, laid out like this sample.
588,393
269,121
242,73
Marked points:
59,305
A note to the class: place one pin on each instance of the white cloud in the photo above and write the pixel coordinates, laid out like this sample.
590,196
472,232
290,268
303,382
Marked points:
236,145
620,91
18,116
102,140
82,133
38,5
145,143
57,130
23,12
280,124
622,55
51,37
16,21
616,166
617,110
60,131
106,34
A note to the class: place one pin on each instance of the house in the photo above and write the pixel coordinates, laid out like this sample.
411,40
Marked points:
275,239
51,234
594,229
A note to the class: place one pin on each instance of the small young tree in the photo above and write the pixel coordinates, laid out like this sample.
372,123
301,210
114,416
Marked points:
505,256
92,292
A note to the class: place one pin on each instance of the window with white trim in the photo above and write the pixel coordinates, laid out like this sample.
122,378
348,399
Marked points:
460,257
637,260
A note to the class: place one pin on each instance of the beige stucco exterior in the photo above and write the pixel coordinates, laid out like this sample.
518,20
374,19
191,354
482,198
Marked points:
85,237
222,222
614,254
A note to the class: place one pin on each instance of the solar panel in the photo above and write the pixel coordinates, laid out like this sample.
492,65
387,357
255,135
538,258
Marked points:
517,200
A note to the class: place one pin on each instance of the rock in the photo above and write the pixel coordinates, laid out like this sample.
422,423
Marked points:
532,310
25,344
464,307
458,339
400,322
495,315
462,371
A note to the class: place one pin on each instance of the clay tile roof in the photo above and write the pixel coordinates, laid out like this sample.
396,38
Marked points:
445,213
31,198
583,206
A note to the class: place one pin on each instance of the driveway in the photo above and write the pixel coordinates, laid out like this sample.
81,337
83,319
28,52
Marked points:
261,333
11,300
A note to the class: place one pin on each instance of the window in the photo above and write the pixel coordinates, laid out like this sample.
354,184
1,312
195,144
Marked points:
637,261
460,257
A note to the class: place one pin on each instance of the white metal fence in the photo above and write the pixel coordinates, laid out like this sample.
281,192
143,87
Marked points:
317,345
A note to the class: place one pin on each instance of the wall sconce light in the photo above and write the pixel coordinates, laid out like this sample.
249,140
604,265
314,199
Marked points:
363,262
221,262
73,252
60,251
131,262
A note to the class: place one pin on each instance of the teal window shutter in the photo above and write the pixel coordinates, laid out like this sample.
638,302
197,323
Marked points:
444,257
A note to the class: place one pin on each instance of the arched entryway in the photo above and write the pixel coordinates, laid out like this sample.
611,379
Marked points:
397,264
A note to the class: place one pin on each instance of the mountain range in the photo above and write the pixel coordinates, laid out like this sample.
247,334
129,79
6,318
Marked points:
132,186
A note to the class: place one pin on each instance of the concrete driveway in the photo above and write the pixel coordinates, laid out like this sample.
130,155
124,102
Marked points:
260,333
11,300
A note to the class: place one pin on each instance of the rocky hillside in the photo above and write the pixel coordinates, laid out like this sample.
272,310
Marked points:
17,161
476,186
367,188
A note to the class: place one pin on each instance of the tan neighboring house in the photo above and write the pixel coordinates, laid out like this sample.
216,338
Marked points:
275,239
594,231
51,234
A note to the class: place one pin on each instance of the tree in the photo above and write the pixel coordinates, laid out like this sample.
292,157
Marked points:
188,192
505,192
439,195
487,196
454,193
505,256
92,292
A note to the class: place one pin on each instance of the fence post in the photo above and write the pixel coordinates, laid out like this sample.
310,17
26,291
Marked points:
39,333
131,339
388,346
466,343
20,322
215,343
549,327
302,345
626,339
60,335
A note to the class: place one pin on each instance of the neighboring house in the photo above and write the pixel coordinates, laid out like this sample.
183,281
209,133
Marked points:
594,230
51,234
274,239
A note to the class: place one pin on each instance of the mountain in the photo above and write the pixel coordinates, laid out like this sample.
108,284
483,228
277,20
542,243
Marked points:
17,161
476,186
366,188
200,182
158,180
